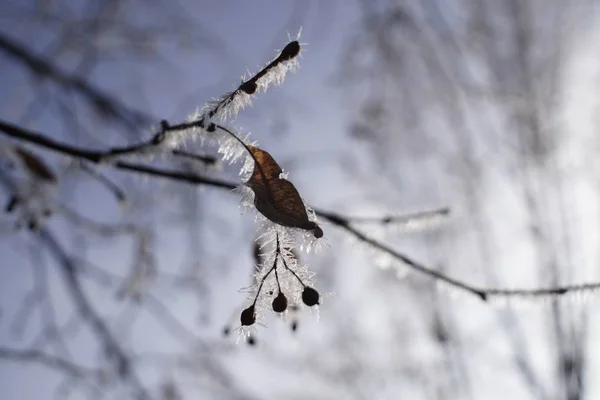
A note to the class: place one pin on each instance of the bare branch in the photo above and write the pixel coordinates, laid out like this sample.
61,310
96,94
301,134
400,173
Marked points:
482,293
404,219
336,219
102,103
99,156
111,345
47,360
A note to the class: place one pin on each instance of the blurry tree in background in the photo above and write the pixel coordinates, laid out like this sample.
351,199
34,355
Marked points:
122,283
484,98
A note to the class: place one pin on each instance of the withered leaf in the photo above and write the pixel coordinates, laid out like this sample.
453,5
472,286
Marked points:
277,198
35,165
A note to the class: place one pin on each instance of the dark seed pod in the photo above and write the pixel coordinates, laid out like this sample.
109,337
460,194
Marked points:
33,225
290,51
280,303
310,296
248,317
318,232
248,87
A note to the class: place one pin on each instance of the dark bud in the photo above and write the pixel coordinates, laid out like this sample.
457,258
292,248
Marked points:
12,204
318,232
33,225
310,296
294,326
280,303
270,293
248,317
158,138
164,125
290,51
248,87
226,331
211,128
251,341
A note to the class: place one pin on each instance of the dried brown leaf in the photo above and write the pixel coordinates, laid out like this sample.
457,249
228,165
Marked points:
35,165
277,198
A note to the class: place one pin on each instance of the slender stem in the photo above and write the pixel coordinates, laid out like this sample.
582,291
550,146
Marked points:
113,348
292,271
262,281
110,185
277,279
209,160
404,218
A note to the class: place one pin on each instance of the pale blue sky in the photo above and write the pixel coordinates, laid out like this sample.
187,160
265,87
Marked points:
373,336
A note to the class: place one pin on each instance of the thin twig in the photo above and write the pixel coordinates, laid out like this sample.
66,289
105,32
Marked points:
208,160
110,185
111,345
403,219
47,360
98,157
483,293
103,103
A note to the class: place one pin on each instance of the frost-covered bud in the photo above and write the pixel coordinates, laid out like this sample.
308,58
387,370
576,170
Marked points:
310,296
248,317
248,87
318,232
280,303
290,51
